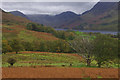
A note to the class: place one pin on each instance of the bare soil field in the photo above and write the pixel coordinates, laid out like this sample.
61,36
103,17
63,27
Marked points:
58,72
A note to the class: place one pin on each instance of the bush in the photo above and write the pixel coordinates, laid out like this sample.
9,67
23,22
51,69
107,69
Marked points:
11,61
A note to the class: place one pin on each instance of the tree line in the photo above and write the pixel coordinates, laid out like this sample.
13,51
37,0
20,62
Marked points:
16,45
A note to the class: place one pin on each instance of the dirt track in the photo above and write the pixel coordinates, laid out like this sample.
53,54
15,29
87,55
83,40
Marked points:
58,72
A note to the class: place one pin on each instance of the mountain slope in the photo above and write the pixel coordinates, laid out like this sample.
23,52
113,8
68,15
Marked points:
103,16
18,13
101,7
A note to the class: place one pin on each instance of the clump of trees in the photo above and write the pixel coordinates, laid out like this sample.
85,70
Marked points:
103,48
17,45
66,35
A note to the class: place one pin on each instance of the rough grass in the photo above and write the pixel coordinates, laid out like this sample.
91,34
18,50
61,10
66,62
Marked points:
42,59
49,59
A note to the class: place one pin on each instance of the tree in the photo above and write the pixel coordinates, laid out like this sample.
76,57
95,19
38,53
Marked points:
11,61
5,46
16,45
105,49
83,45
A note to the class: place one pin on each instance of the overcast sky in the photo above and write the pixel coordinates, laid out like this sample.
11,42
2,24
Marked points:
52,7
59,0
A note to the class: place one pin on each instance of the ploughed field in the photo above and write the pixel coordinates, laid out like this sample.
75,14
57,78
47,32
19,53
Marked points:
52,65
58,72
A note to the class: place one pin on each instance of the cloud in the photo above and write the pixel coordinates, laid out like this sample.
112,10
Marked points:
50,0
60,0
47,7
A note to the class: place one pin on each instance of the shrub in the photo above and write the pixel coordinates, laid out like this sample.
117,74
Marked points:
11,61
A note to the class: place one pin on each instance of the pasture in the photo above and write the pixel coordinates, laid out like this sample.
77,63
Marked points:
30,58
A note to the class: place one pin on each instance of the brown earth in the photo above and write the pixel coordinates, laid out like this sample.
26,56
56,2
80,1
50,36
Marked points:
58,72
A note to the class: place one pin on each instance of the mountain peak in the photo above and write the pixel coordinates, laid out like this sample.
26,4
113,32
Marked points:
67,14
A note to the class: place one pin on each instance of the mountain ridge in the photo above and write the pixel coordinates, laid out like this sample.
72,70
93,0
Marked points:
103,16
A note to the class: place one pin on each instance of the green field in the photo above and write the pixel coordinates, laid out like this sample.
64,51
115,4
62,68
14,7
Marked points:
47,59
40,59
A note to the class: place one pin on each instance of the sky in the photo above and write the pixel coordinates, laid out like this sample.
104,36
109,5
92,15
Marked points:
59,0
52,7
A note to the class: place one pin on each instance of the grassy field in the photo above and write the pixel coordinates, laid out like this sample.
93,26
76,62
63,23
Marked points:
48,59
42,59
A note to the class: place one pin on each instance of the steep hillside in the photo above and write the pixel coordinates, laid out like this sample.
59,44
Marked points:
15,27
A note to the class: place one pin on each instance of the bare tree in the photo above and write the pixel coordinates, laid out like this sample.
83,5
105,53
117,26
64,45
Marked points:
83,45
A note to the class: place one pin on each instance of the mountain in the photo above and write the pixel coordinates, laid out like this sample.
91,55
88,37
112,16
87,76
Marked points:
18,13
54,21
103,16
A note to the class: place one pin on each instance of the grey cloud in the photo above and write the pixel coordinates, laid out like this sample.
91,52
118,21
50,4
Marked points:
51,0
60,0
47,7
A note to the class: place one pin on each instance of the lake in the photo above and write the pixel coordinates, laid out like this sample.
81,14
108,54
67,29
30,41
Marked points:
94,31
